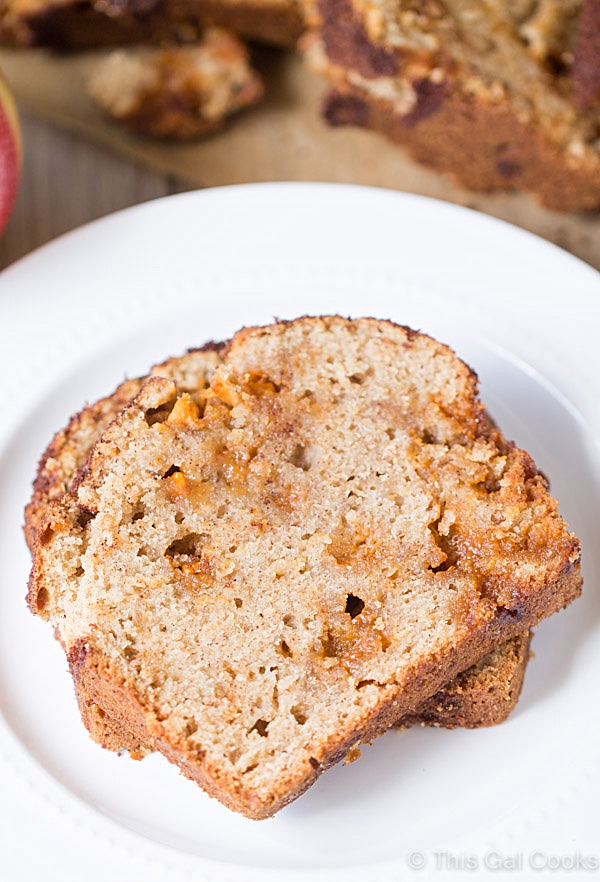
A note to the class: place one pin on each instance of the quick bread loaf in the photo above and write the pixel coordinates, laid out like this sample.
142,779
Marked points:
483,91
255,583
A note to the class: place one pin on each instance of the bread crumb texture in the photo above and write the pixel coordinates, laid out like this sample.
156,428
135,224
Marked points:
258,578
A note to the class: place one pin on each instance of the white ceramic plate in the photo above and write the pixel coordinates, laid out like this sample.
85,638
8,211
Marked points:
122,293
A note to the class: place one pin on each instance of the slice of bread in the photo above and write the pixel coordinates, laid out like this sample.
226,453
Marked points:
483,695
469,88
180,93
253,595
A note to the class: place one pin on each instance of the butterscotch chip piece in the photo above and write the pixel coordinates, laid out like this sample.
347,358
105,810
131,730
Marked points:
180,93
356,534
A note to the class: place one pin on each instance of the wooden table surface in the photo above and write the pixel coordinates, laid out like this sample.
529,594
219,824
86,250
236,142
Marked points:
68,181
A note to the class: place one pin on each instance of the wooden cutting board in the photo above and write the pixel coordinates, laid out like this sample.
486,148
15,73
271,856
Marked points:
283,139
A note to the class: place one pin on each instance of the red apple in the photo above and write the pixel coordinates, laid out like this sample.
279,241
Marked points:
10,153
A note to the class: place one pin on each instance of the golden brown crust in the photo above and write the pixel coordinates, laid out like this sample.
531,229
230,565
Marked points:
482,145
105,731
98,687
483,695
